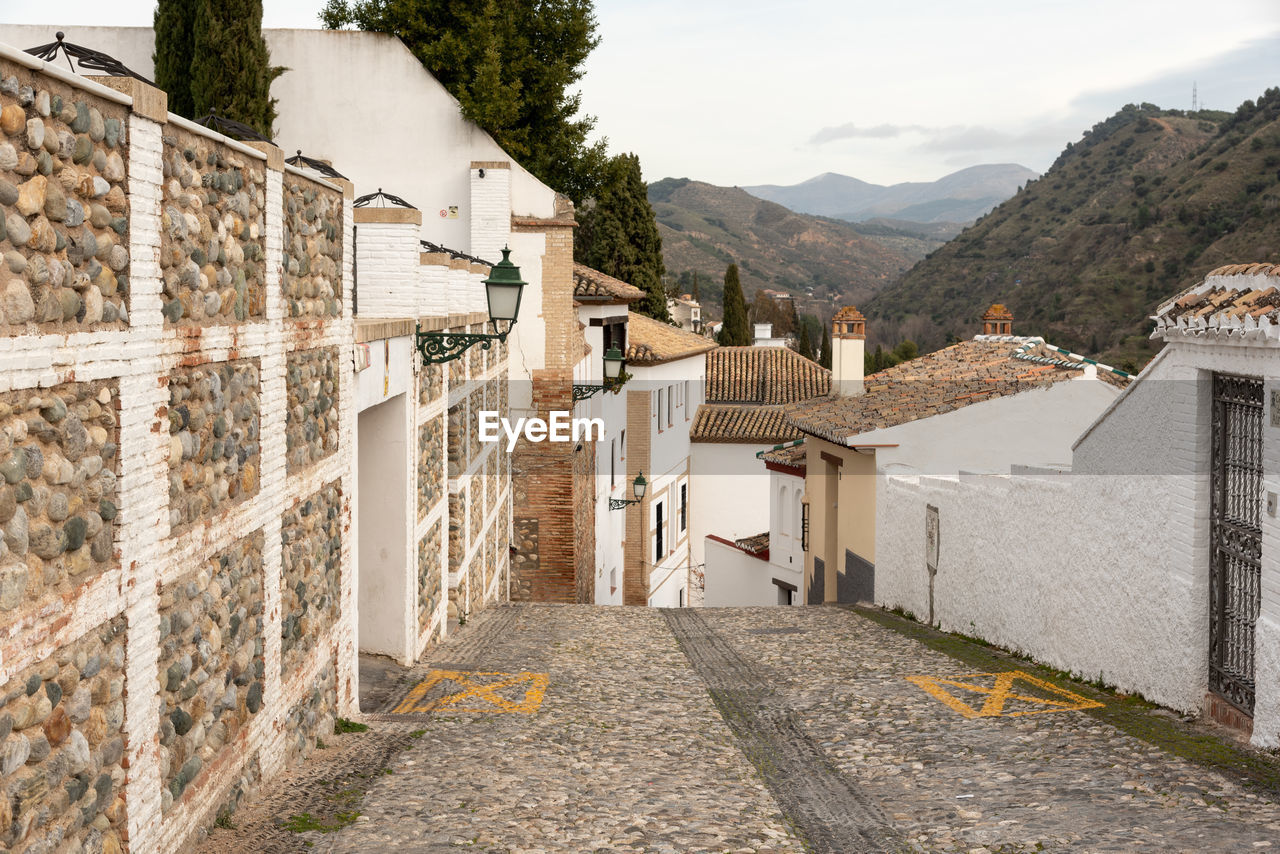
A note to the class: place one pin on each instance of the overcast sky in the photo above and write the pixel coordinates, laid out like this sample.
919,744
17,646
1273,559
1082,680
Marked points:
751,92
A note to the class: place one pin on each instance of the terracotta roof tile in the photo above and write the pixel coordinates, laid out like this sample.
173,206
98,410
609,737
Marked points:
651,342
763,375
755,545
736,423
792,456
594,286
1237,297
984,368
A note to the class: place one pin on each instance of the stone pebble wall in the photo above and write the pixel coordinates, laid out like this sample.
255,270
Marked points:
428,576
475,403
212,231
313,716
430,383
64,215
456,453
312,274
61,746
458,367
311,431
58,489
213,439
430,465
211,664
526,563
311,542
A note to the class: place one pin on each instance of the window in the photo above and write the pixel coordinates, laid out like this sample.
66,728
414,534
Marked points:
612,481
686,400
684,507
622,446
681,597
670,394
658,407
659,550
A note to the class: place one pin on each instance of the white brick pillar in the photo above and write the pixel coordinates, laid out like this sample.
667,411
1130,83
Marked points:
387,252
490,208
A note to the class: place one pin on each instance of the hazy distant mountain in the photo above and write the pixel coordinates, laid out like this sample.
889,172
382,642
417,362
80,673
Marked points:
960,197
822,261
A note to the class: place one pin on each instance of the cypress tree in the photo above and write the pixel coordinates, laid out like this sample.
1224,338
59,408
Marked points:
618,235
172,56
231,71
805,347
694,293
824,358
735,332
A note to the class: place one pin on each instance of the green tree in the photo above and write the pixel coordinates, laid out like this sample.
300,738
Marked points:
172,57
618,234
735,332
231,70
824,358
694,291
805,347
513,68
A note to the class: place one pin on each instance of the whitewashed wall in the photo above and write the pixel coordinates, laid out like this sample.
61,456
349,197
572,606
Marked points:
736,579
732,499
1071,570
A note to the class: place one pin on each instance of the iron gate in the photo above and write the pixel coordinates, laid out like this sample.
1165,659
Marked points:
1236,532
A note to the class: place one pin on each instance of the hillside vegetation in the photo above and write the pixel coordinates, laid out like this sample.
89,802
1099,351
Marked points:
1141,207
704,228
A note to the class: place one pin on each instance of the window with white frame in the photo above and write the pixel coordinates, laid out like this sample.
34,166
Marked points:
684,507
659,526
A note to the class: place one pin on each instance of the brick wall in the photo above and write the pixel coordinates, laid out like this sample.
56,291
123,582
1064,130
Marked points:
387,252
155,457
636,558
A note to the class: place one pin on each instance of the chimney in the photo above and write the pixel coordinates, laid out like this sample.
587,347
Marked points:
997,321
848,344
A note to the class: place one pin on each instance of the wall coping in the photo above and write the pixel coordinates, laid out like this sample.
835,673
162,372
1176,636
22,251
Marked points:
201,130
405,216
79,81
376,329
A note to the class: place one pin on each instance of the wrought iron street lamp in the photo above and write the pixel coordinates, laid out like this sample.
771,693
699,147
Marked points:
638,488
503,290
613,362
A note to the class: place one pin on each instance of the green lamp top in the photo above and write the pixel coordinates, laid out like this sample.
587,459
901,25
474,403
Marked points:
504,272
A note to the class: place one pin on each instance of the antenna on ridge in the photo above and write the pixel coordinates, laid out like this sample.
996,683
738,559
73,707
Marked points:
1195,102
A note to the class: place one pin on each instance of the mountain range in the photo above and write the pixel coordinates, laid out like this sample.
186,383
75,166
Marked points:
1141,207
960,197
822,261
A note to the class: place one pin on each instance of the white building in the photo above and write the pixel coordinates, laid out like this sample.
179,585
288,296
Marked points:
767,569
668,372
747,390
602,308
686,312
1152,566
983,405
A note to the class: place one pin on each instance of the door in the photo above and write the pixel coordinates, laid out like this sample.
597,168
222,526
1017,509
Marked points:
1236,531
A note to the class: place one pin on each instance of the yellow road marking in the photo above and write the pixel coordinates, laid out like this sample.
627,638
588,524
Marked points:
1001,692
484,694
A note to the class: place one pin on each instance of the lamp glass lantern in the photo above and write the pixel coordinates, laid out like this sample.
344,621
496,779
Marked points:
612,364
639,486
503,289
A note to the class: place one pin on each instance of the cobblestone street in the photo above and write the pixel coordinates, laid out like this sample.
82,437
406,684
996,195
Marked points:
765,730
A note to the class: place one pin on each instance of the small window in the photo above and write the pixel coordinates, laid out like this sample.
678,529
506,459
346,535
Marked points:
686,400
612,481
670,395
622,446
681,597
659,550
684,507
658,407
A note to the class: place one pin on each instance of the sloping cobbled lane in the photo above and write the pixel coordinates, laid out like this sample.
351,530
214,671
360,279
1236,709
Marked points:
1061,781
768,730
625,753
